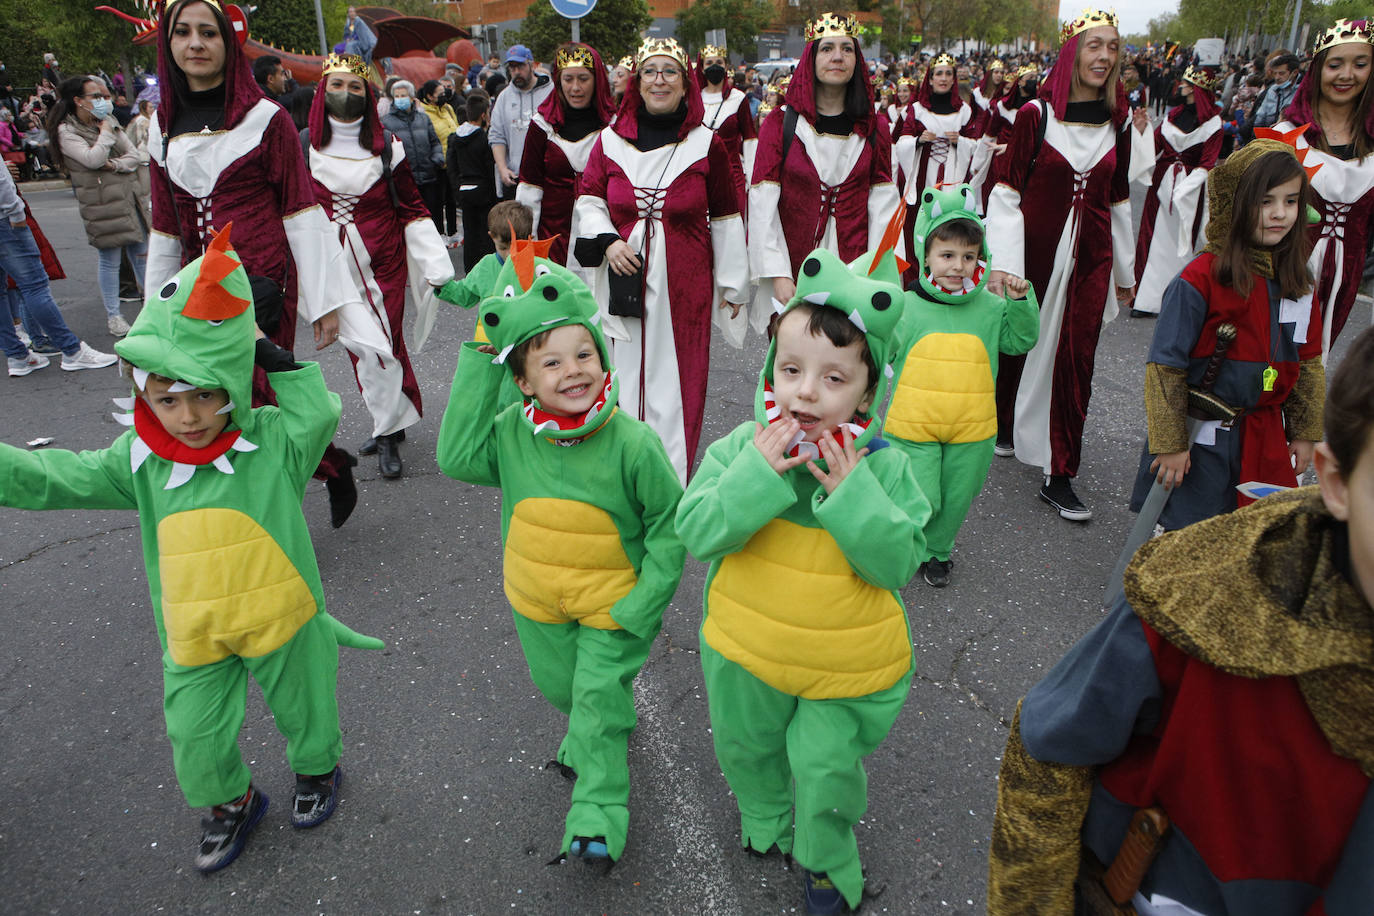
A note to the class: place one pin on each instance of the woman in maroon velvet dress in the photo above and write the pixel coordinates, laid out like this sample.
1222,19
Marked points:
560,140
726,111
220,152
1061,218
658,196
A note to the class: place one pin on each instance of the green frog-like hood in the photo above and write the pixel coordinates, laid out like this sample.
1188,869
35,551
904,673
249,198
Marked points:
937,208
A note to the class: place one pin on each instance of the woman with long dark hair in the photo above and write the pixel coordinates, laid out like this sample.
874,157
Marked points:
1061,218
560,140
824,161
1335,103
106,174
221,152
657,209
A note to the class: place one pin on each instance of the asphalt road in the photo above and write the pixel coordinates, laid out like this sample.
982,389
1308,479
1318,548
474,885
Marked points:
445,805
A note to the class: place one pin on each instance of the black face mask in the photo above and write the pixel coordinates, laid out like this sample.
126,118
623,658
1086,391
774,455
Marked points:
345,105
1030,89
715,74
445,97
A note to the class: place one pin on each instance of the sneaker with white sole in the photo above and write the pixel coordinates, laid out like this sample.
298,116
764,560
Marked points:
1058,492
31,363
87,358
225,831
117,325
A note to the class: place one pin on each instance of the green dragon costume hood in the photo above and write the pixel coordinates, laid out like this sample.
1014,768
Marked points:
937,208
868,291
199,329
539,295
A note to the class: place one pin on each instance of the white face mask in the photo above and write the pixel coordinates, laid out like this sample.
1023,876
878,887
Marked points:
102,108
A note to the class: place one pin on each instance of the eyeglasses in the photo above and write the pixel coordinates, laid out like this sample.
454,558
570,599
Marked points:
668,74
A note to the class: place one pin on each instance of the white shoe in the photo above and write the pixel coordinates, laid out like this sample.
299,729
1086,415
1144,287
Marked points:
86,358
32,363
117,325
22,335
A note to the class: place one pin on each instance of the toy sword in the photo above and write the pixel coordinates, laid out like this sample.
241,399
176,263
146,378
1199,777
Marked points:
1202,406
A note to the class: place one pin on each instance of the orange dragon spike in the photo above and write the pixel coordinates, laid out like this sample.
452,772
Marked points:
1290,137
522,255
891,235
209,300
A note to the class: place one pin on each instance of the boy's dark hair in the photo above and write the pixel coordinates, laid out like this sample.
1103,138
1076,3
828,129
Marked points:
518,353
477,105
962,231
1349,415
1289,257
508,215
837,328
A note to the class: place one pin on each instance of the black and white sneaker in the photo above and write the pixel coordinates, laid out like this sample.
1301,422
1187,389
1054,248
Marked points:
1004,447
316,799
225,831
1058,492
936,572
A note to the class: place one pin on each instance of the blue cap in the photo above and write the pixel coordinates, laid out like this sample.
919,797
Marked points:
519,54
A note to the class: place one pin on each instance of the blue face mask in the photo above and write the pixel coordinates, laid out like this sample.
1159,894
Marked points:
402,104
102,108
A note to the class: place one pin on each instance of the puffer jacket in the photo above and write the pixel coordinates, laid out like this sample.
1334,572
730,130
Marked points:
416,133
113,202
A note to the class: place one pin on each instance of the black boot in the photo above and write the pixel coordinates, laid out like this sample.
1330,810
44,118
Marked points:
389,456
343,494
370,446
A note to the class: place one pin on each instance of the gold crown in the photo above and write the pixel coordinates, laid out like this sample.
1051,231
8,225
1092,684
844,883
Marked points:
628,62
654,47
910,82
1027,70
764,109
832,25
1345,30
346,63
576,56
945,59
783,83
1088,19
713,51
997,65
1203,78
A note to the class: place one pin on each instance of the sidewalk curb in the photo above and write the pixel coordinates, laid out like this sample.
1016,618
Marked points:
46,184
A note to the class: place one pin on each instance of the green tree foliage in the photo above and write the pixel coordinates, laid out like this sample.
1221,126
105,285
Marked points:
613,28
83,40
742,21
290,24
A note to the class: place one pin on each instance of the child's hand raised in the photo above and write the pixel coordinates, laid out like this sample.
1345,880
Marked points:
1015,287
772,441
839,461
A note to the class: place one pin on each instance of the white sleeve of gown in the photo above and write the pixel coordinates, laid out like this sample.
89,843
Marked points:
1006,231
1123,245
730,266
1142,156
325,285
768,255
532,197
427,266
164,260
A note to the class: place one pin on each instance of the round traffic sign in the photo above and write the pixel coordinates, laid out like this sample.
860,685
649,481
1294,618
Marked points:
573,9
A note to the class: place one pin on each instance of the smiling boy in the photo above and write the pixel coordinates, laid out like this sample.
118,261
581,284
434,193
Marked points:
587,503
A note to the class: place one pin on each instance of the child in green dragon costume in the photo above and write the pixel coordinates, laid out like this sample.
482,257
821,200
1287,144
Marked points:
810,526
234,582
944,411
587,503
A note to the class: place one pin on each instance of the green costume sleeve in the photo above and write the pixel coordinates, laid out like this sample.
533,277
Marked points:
734,494
877,515
474,287
60,479
1035,833
309,416
656,489
467,442
1020,325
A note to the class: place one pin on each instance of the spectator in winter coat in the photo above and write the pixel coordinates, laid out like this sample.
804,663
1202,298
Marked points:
416,132
511,114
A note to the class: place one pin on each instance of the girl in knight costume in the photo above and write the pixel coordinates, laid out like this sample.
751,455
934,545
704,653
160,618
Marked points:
658,209
1253,275
388,240
823,161
560,141
1333,115
1068,170
725,110
221,152
1187,145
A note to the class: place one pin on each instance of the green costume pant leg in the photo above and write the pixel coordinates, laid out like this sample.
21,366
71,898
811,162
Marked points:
927,459
589,673
963,469
826,742
749,722
204,708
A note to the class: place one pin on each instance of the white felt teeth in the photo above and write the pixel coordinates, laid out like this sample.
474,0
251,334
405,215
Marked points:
141,378
596,318
809,450
887,370
227,408
820,298
858,321
125,403
123,419
935,209
222,462
243,445
797,440
180,474
179,387
778,307
501,357
138,453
